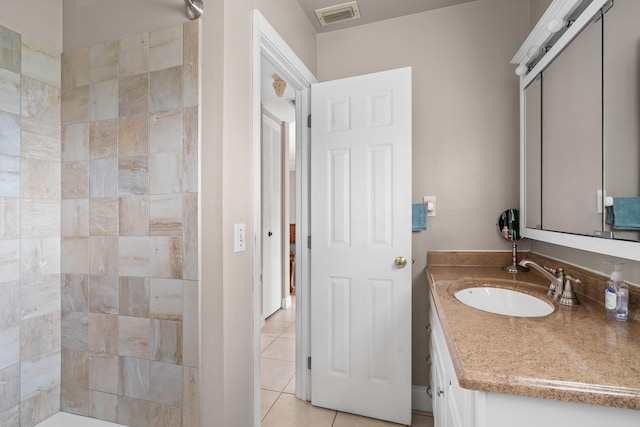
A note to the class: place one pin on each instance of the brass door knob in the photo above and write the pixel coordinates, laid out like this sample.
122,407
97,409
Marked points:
400,262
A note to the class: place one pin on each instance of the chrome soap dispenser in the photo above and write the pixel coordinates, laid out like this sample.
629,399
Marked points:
616,298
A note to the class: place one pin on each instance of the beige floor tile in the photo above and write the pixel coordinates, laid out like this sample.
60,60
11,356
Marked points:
290,332
274,328
276,374
268,399
351,420
287,315
291,387
291,412
419,420
281,349
265,341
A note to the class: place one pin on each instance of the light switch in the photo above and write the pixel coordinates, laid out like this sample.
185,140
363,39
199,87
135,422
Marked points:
430,201
238,237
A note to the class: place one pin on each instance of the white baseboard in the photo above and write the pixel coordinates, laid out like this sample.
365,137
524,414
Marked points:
286,302
420,400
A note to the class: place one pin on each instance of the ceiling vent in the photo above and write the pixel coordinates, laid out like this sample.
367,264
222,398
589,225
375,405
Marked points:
338,13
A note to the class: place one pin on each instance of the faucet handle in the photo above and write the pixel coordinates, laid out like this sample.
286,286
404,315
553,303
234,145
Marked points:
558,271
554,290
568,296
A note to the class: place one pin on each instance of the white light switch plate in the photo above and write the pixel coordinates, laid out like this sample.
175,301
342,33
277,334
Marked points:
432,200
238,237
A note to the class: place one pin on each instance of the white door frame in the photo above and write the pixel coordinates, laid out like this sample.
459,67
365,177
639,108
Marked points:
268,44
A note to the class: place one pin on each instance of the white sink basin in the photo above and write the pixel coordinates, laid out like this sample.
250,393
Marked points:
504,301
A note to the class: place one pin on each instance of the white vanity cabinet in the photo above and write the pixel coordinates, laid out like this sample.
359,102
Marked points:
454,406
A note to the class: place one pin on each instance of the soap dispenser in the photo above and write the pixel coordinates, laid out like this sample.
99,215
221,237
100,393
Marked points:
617,296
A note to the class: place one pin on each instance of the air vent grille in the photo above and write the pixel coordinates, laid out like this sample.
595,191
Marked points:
338,13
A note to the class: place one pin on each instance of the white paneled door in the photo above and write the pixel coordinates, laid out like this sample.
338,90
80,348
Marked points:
361,245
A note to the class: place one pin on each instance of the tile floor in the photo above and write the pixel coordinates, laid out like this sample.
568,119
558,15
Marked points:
279,404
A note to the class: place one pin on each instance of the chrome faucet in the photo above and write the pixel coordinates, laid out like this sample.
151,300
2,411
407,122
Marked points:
560,286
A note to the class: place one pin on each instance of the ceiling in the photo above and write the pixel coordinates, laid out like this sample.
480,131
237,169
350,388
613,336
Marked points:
373,10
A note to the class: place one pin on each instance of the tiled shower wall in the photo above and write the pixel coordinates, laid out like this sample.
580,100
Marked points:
29,230
129,229
99,251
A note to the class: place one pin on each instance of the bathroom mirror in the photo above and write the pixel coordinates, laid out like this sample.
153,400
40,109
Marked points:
580,133
509,228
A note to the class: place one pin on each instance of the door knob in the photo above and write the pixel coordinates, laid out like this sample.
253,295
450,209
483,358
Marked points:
400,262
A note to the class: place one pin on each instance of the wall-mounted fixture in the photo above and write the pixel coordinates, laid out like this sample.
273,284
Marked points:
279,85
193,8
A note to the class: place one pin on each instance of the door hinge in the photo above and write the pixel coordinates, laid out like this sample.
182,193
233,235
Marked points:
309,362
309,121
309,242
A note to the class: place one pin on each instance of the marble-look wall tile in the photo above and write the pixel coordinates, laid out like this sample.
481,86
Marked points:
103,139
165,48
40,62
9,388
166,298
40,179
103,217
165,131
40,407
40,296
10,260
133,336
9,219
190,398
133,175
103,333
39,218
75,330
40,374
75,105
75,293
191,63
9,134
74,396
165,173
75,68
75,142
75,218
39,257
165,215
10,49
190,248
103,406
104,371
41,101
133,256
10,92
134,216
134,296
103,254
76,254
165,89
40,140
103,177
10,342
10,304
165,257
10,417
133,95
10,176
133,412
134,54
190,324
165,416
134,377
103,100
103,59
39,335
133,135
165,384
75,180
103,294
166,341
190,163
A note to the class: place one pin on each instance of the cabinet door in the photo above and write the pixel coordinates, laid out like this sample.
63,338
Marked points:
437,387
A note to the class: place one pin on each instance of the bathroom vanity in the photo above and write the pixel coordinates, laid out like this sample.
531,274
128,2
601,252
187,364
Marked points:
571,367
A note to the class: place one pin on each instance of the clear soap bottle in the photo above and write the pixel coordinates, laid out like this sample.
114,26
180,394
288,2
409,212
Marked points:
617,296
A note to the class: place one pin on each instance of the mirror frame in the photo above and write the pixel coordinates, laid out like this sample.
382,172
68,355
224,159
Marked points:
538,37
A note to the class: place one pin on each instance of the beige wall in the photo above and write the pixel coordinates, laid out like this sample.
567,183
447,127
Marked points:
37,19
465,121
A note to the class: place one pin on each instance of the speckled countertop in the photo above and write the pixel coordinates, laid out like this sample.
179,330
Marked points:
573,354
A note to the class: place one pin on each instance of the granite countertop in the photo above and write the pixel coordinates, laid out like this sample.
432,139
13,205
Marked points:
573,354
